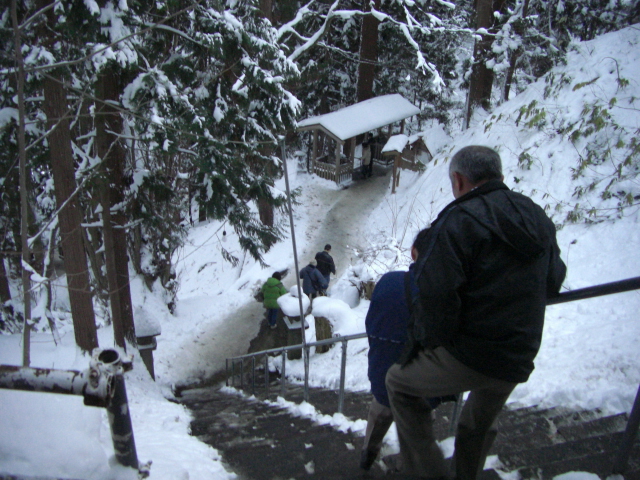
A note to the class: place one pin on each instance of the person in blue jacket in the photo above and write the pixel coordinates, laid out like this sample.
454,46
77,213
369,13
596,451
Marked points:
386,325
312,280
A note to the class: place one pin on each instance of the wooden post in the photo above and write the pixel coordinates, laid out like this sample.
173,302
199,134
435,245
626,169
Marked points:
324,330
396,162
353,149
338,151
352,153
315,151
402,126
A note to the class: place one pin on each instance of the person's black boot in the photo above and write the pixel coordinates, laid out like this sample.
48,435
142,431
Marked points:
367,457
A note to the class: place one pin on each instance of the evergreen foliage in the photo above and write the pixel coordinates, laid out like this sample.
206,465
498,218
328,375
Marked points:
607,149
205,90
535,34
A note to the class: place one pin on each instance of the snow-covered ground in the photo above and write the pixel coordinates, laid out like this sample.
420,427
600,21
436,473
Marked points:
590,355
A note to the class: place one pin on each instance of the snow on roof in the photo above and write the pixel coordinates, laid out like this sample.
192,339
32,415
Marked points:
363,116
415,137
395,144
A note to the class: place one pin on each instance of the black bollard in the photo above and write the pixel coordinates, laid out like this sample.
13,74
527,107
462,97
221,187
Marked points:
124,443
121,430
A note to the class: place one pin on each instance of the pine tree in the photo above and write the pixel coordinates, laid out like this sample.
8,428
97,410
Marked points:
70,216
220,101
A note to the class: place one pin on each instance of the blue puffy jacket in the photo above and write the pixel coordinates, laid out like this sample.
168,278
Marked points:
386,325
312,280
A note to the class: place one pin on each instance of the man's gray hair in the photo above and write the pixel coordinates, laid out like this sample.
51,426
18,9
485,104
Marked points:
477,163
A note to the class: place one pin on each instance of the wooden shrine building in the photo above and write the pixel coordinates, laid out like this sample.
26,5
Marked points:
332,131
410,153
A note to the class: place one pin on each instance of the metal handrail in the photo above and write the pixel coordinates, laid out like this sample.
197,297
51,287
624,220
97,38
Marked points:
633,424
101,385
327,341
283,351
596,291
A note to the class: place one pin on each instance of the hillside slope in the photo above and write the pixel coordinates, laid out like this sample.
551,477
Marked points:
573,131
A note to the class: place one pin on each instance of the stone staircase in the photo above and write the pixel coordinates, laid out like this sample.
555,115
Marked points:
262,442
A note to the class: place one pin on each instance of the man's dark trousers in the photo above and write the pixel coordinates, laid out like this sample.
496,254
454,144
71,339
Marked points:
436,373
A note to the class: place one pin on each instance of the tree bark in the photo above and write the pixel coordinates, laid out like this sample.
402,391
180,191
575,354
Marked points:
6,313
48,274
514,55
70,216
93,241
5,292
108,125
368,53
481,81
24,209
265,210
266,8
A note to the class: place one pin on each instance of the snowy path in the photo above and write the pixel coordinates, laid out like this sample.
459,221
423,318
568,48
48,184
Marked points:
208,336
345,220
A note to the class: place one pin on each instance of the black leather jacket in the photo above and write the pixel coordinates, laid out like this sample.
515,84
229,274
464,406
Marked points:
325,263
488,265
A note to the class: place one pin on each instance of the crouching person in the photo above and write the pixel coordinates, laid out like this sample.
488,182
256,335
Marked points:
312,280
272,290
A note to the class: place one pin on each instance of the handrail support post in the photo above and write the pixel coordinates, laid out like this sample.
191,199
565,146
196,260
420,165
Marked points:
343,372
283,377
630,434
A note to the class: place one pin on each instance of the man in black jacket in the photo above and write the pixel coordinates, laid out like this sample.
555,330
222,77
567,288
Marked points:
486,268
325,263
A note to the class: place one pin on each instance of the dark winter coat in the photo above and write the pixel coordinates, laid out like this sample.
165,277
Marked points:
490,262
386,325
325,263
272,290
312,280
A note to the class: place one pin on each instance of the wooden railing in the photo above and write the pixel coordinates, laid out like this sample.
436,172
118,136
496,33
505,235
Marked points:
328,171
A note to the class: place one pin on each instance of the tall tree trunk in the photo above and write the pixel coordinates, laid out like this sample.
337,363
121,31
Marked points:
6,312
202,197
48,274
108,125
519,29
266,8
5,292
24,209
368,53
70,215
93,240
481,81
265,209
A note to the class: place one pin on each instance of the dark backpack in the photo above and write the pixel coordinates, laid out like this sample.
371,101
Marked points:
414,304
411,348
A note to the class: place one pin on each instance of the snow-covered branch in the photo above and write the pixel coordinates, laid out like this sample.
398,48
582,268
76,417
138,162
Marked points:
316,36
